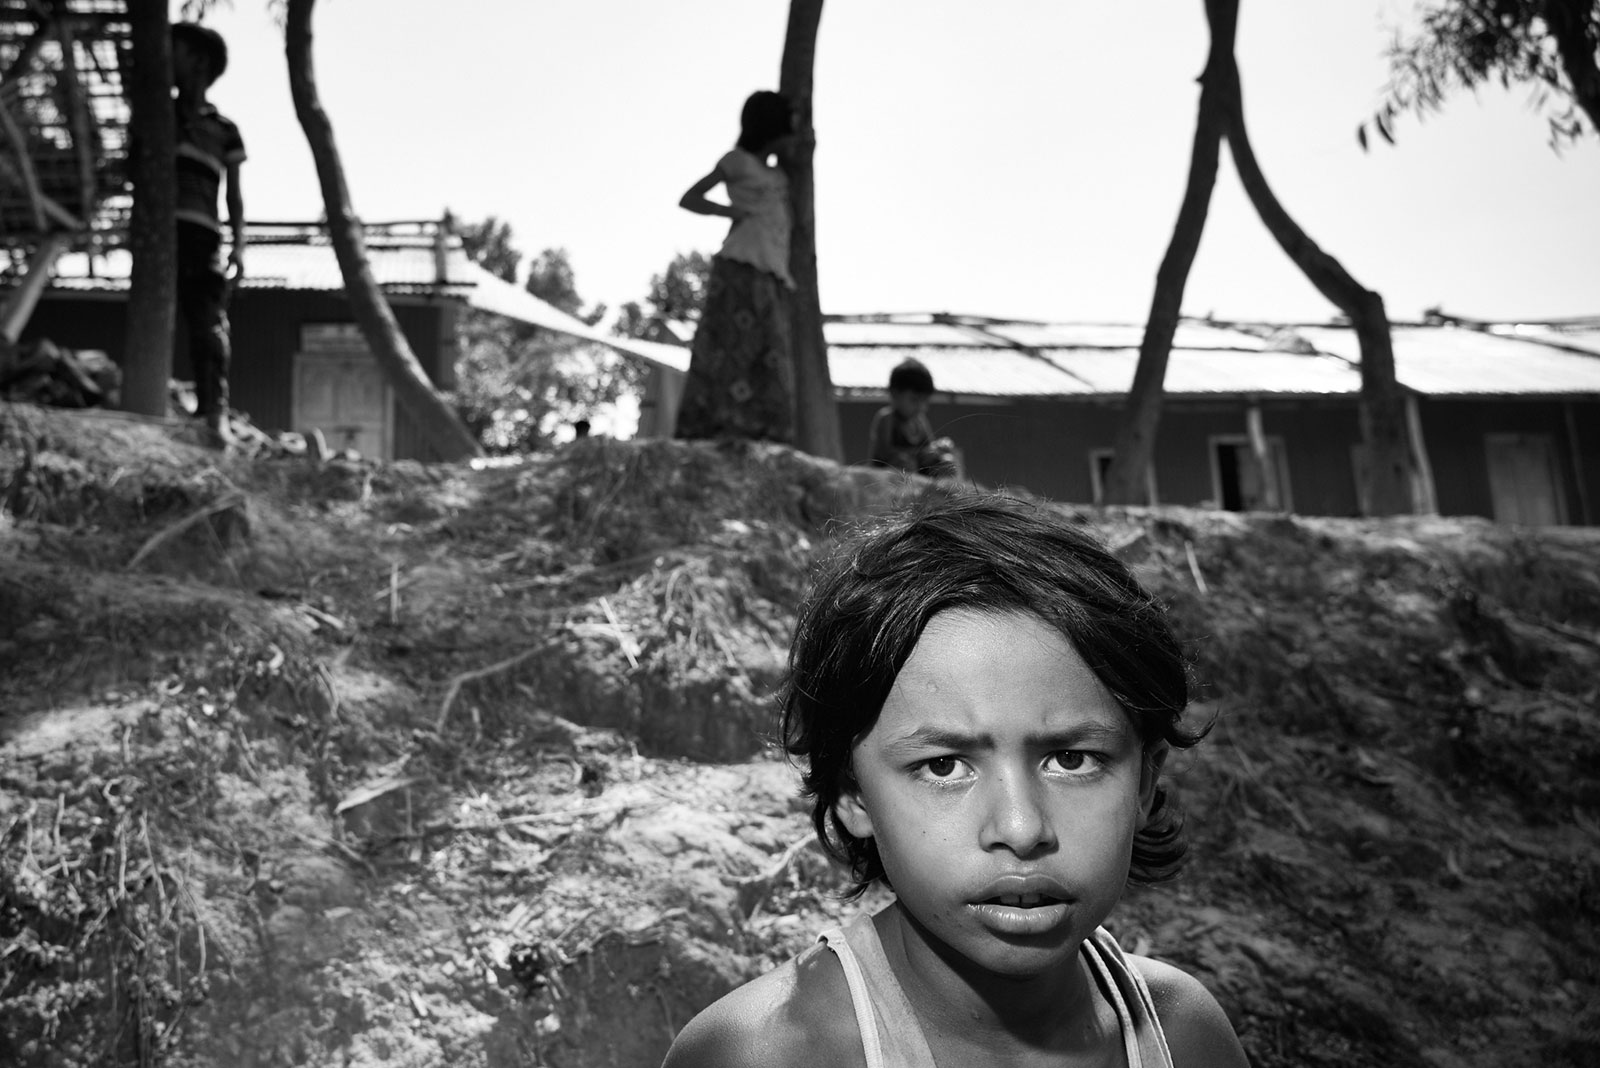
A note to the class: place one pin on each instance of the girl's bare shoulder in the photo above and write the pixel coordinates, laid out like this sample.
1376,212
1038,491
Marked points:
1198,1032
795,1016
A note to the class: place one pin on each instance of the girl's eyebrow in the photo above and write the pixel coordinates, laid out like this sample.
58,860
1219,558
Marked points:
933,737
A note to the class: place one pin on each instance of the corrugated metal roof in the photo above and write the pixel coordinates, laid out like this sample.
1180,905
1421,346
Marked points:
960,331
899,332
1452,361
404,268
316,267
300,266
1586,339
1073,359
1189,335
977,370
973,356
1209,359
1214,371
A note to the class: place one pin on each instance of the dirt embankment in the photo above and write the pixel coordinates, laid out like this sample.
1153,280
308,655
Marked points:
390,765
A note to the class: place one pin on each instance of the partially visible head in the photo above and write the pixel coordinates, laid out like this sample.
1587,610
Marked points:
911,376
871,601
199,52
766,119
910,388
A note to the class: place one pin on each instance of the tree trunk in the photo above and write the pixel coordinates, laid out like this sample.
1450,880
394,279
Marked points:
1383,419
435,418
1136,436
152,230
816,410
1573,25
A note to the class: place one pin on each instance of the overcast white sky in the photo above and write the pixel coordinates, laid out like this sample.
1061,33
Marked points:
1012,158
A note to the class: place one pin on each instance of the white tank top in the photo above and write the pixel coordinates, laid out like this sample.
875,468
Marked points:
893,1037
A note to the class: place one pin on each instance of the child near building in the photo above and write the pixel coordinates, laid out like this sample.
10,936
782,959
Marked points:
210,152
984,699
901,434
740,382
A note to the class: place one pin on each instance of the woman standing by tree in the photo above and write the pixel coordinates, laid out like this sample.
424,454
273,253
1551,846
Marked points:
741,379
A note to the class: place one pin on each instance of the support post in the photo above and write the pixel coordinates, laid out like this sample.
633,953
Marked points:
24,164
1426,497
1585,515
1271,499
19,306
85,137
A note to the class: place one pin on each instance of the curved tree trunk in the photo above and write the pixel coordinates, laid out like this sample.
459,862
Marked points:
1136,435
436,419
1383,418
152,230
816,410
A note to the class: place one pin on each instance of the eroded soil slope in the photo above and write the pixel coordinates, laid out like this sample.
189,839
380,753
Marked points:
389,765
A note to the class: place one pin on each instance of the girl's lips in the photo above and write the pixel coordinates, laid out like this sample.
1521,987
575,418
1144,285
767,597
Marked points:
1014,919
1026,900
1019,888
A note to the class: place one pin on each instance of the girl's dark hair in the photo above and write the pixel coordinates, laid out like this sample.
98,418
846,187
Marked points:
912,375
871,600
766,117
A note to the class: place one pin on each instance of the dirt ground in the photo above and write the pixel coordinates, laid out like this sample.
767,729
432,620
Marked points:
361,764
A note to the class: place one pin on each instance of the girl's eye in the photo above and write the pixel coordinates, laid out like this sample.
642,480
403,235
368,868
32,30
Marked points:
1073,760
940,768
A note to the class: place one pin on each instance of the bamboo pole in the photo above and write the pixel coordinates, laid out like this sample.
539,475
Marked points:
20,304
85,136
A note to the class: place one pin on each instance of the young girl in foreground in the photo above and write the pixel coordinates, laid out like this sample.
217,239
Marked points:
984,698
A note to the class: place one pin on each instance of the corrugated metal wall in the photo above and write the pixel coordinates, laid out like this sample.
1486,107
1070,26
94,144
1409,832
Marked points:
1456,431
1045,446
266,335
82,321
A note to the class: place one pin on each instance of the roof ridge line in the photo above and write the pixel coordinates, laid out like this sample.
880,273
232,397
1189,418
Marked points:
1027,350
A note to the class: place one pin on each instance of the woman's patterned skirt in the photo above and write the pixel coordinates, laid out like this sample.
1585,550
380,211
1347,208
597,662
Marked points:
741,378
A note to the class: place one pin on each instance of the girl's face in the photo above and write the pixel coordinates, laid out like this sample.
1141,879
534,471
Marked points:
908,404
1003,785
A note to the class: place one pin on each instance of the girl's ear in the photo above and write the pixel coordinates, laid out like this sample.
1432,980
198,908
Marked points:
1155,757
852,812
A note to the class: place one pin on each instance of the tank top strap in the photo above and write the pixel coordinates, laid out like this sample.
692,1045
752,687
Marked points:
890,1032
1126,990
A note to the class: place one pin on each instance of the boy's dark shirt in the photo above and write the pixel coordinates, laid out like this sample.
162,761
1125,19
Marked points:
208,144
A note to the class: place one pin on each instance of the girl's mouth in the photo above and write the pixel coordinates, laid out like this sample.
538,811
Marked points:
1025,901
1022,915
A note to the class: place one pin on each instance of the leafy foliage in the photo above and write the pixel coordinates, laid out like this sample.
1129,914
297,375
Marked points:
676,295
1462,44
488,244
550,278
518,384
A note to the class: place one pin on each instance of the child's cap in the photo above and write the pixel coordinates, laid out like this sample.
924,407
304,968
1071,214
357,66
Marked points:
204,39
912,376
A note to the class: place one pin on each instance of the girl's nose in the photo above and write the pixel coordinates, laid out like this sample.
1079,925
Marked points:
1016,817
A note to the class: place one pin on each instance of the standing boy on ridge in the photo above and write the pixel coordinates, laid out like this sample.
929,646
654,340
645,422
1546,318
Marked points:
210,151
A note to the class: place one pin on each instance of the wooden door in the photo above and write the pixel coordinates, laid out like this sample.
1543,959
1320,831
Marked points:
340,390
1524,481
